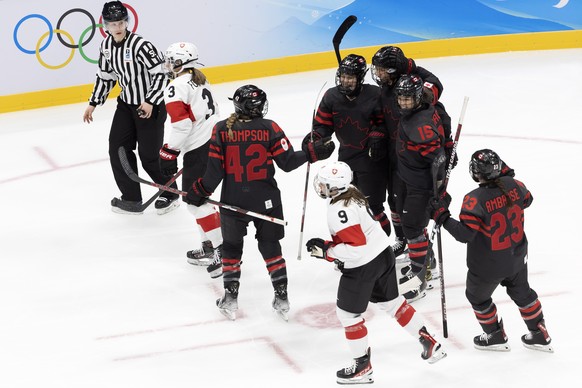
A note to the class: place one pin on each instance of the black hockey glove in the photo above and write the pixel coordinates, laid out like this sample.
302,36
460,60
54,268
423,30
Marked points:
168,160
377,145
506,170
318,247
197,195
320,149
312,136
439,208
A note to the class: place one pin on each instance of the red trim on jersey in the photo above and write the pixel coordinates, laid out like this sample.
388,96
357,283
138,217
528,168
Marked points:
352,235
230,265
179,110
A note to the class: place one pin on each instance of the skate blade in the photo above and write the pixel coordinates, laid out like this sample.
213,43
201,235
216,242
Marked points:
216,273
437,356
367,379
417,297
117,210
168,209
228,313
541,348
200,262
494,348
284,315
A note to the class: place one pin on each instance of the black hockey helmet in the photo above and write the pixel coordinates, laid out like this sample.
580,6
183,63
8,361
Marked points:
485,165
250,101
114,11
353,65
409,86
390,59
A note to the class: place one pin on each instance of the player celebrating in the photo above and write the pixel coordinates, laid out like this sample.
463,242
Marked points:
492,221
243,151
363,253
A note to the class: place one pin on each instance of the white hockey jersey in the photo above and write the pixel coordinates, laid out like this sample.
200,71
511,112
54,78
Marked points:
193,113
357,237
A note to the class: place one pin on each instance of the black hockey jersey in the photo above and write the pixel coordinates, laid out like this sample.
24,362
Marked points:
493,231
351,121
420,140
244,163
389,108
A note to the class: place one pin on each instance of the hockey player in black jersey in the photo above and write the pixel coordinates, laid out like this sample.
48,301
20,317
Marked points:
362,251
243,152
351,111
420,141
492,225
388,64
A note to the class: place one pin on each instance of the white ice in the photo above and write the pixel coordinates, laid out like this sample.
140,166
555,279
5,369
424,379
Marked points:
89,298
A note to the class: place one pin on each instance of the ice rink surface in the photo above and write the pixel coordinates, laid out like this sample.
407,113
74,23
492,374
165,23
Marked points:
90,298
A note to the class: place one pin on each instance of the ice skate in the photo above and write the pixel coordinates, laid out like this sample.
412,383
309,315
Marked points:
281,302
121,206
413,286
399,248
496,341
215,268
201,256
432,350
358,372
165,205
228,304
538,339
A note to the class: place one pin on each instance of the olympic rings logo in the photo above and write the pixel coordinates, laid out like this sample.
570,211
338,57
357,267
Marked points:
59,32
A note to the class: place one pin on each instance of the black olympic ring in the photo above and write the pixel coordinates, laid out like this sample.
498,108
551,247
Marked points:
93,27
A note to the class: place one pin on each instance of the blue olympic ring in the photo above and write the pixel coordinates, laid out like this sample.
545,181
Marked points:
31,16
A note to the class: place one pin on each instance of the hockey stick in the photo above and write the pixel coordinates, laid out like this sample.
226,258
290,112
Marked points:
437,227
307,182
134,177
146,204
339,35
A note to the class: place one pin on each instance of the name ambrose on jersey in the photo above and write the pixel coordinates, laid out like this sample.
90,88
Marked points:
245,135
501,201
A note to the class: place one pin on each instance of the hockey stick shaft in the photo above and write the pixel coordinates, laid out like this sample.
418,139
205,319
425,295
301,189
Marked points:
146,204
437,227
307,183
339,35
134,177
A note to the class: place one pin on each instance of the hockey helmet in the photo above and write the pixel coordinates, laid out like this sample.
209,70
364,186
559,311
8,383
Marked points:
250,101
354,65
408,86
114,11
333,179
388,63
485,165
180,56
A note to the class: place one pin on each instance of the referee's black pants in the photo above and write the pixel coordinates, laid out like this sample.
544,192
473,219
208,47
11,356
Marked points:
130,131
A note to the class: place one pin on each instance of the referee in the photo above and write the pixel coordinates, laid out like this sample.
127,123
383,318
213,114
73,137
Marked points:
139,119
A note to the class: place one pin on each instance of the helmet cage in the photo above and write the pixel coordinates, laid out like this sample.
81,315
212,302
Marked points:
333,179
353,65
180,56
409,86
391,60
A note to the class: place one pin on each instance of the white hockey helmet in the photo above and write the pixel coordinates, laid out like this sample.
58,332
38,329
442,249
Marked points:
333,179
180,56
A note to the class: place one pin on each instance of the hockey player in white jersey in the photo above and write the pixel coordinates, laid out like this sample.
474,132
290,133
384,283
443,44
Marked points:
362,252
193,113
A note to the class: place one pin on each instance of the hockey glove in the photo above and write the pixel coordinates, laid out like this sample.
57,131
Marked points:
320,149
168,160
439,208
318,247
311,137
377,145
197,195
506,170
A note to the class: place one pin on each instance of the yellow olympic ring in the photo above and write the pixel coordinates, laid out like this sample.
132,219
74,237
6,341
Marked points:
55,67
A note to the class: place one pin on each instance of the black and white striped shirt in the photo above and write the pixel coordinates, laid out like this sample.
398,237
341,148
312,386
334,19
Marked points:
138,67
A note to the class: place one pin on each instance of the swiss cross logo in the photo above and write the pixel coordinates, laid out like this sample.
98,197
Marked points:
334,171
